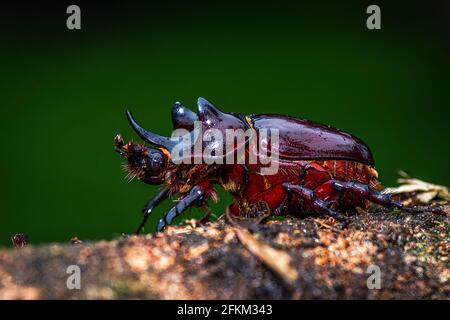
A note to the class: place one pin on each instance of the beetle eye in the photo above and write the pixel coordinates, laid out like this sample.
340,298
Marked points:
156,162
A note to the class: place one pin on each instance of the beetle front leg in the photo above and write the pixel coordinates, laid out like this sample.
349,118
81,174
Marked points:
194,196
152,203
317,204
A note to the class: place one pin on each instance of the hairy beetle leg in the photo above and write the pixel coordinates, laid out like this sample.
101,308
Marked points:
195,195
366,192
152,203
317,204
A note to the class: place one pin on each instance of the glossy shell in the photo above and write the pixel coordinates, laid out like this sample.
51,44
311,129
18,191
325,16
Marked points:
302,140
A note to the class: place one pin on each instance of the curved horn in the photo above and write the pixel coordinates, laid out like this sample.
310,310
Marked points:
182,117
150,137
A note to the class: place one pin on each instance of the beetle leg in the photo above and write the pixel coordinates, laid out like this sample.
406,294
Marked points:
195,195
384,199
317,204
152,203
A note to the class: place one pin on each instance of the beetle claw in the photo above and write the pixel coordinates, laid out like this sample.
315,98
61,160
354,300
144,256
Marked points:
161,225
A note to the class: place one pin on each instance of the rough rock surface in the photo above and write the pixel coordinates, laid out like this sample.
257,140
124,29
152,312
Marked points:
324,260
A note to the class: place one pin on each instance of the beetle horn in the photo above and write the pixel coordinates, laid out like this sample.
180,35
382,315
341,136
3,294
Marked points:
182,117
207,110
150,137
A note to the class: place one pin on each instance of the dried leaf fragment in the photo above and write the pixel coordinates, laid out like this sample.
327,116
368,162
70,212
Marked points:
424,192
74,240
20,240
276,260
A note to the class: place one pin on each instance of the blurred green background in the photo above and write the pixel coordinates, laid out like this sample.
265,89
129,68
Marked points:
63,93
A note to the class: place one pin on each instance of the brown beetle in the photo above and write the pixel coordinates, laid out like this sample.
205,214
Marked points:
319,168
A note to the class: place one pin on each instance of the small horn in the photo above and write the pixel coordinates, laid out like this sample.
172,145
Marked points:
207,110
150,137
182,117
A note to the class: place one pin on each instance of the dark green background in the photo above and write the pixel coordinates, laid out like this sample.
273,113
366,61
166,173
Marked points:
63,93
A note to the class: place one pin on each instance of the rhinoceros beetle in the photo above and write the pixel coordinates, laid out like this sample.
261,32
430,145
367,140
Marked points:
320,169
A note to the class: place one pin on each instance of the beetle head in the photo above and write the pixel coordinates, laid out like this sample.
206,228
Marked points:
147,164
